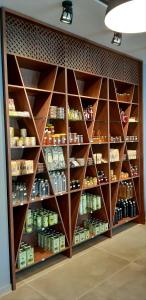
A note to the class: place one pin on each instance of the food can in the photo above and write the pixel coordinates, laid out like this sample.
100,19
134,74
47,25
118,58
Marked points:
23,132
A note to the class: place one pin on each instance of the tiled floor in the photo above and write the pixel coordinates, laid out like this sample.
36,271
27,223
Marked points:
114,269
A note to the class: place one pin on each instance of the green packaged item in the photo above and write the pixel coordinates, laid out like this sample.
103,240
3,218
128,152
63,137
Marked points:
82,235
62,242
76,238
84,204
55,218
45,241
97,229
21,259
29,255
87,234
39,221
55,244
51,219
106,226
98,204
45,220
102,227
28,228
28,218
94,203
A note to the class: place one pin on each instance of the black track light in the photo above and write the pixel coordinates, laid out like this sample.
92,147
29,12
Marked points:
117,39
67,14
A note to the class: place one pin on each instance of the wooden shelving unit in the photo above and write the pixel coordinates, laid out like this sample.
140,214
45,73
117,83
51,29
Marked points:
36,86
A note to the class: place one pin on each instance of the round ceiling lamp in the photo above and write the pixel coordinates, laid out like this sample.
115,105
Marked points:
126,16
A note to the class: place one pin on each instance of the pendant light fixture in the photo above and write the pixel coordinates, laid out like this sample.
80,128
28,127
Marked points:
126,16
67,13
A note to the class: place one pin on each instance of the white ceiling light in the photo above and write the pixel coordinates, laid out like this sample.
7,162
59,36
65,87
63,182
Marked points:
126,16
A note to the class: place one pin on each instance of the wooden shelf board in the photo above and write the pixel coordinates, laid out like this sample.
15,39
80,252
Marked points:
72,168
125,102
61,145
61,194
20,117
33,90
88,97
132,141
93,143
79,144
91,187
12,87
69,120
91,238
24,147
124,221
59,93
122,142
41,255
75,191
21,204
103,99
105,183
23,175
73,95
39,199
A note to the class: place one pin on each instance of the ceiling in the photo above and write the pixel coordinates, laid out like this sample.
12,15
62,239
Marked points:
88,22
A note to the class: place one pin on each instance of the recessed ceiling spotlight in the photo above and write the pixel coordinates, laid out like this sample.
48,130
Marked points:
117,39
126,16
67,13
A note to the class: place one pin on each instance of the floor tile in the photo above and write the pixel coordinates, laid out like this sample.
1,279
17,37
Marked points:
141,260
128,284
25,292
76,277
129,244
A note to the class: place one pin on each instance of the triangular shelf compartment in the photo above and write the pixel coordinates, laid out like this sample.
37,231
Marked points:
40,103
14,76
37,75
124,91
88,85
135,95
112,90
89,107
80,154
116,128
22,105
59,122
50,206
59,86
71,83
125,111
100,130
19,214
104,89
90,171
91,209
77,125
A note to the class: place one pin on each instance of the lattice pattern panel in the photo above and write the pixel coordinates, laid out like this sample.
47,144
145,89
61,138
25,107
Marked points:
131,70
28,39
97,61
116,66
50,46
76,54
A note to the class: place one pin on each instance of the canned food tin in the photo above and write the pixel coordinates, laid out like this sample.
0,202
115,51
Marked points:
23,132
39,221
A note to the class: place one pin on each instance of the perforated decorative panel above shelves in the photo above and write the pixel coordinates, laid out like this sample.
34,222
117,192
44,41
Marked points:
28,39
